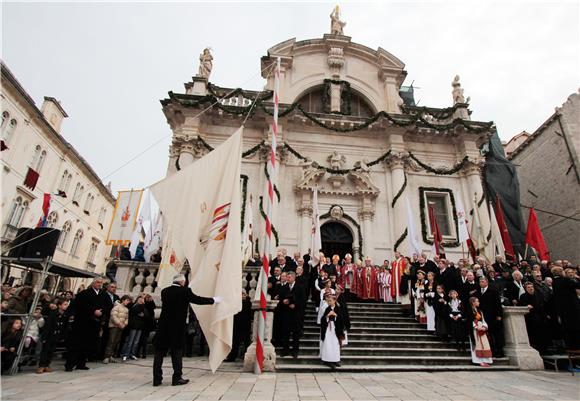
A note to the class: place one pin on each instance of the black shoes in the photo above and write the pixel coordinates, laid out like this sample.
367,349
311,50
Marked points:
83,368
180,382
155,383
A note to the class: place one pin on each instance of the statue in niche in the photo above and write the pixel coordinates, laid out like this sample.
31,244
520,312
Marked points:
336,160
336,24
457,92
205,63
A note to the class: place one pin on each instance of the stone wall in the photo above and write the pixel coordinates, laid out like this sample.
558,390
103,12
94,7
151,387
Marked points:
547,171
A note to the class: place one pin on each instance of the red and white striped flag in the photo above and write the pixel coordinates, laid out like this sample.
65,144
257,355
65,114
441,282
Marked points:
269,206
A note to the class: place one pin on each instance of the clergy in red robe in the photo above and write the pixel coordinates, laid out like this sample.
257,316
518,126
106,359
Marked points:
370,282
398,267
358,279
347,277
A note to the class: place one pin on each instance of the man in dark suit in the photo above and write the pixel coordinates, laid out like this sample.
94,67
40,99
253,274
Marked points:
108,298
170,334
490,304
468,289
85,328
291,300
567,306
447,276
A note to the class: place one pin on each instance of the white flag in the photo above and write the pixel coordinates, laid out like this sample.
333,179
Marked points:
495,246
248,234
316,240
414,246
478,237
143,218
172,261
153,237
201,206
462,231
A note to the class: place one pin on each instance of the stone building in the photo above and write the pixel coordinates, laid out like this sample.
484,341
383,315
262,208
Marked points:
350,129
39,160
549,174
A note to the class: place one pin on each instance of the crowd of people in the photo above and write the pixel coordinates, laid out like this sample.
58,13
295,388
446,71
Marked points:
458,302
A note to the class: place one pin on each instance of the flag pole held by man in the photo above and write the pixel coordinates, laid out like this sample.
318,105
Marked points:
201,205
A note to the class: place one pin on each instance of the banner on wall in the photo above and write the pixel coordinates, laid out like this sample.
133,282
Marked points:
124,217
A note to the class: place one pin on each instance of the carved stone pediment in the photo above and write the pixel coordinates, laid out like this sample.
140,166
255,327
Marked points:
356,183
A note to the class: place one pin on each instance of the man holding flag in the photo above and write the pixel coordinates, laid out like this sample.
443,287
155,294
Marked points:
170,334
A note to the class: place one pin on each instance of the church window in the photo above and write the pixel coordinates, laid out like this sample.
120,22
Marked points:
441,206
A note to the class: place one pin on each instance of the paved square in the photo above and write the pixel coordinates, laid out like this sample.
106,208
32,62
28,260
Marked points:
132,381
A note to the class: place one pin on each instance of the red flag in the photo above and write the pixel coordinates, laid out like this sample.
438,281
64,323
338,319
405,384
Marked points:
437,237
534,237
45,209
505,235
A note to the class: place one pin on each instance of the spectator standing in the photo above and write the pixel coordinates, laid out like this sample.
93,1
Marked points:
117,322
11,337
85,328
54,333
137,322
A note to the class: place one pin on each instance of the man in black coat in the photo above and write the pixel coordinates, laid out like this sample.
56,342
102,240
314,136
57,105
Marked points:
85,328
446,276
291,300
567,306
170,335
108,298
490,305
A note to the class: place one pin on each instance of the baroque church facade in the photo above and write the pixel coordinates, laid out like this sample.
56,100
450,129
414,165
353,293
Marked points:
347,127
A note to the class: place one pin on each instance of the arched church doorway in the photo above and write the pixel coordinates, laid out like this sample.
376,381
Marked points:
336,239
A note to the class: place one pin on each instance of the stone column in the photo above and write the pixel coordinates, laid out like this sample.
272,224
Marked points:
269,351
366,214
517,346
186,155
305,213
399,213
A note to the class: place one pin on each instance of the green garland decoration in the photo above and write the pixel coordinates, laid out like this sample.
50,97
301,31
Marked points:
213,90
440,171
398,195
254,149
401,239
345,95
411,119
268,177
264,217
439,114
244,197
349,218
422,190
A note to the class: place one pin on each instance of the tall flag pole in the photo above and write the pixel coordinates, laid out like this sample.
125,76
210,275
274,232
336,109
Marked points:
271,168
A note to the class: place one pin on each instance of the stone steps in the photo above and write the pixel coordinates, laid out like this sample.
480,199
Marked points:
354,350
382,338
319,367
348,360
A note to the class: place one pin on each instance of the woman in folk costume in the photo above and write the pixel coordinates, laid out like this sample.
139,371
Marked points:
478,339
419,295
331,333
370,283
324,293
319,286
398,267
384,279
441,315
456,320
348,277
430,289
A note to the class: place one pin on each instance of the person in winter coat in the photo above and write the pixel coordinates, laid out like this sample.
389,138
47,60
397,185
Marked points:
33,333
55,330
117,322
10,339
20,301
137,322
149,326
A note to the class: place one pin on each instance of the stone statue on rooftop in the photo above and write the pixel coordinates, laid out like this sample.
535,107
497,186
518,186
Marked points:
205,63
457,92
336,24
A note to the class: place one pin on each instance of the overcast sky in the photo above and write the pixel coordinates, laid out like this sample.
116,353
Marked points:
110,64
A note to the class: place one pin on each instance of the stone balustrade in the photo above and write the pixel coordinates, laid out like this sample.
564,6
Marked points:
137,277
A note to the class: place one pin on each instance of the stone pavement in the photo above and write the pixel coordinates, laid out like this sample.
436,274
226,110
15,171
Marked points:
132,381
